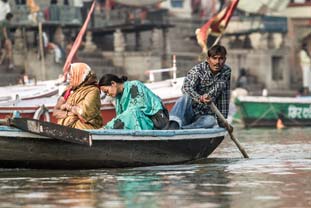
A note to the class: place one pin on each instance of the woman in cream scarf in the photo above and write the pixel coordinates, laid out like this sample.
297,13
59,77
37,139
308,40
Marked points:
79,106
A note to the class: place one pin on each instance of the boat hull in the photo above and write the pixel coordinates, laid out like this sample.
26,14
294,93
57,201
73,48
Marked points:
258,111
25,150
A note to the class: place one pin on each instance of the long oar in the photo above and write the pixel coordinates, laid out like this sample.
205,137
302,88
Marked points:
227,125
51,130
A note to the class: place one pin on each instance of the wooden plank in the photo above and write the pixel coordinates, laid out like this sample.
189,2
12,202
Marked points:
52,130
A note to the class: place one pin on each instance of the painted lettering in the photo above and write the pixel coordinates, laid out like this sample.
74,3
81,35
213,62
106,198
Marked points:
299,112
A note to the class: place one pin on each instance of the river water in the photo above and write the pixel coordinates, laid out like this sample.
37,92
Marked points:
277,175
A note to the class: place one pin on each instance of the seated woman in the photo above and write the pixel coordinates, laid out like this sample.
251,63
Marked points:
137,107
79,106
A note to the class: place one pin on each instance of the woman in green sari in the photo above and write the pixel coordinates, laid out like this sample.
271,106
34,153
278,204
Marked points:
137,107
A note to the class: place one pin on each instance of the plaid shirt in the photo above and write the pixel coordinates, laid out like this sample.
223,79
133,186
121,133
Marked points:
200,80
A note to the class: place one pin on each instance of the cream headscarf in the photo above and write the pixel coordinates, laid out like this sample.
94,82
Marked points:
78,73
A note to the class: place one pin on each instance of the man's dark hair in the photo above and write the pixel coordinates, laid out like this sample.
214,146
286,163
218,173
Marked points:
9,16
217,50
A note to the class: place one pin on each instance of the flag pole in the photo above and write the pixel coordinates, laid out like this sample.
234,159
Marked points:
218,38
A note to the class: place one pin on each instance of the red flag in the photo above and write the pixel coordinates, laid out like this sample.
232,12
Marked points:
216,25
77,42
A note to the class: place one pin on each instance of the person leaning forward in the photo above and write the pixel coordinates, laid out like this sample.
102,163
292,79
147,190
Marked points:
79,106
205,82
137,107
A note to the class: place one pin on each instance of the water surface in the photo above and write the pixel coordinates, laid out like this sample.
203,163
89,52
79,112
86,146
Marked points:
278,174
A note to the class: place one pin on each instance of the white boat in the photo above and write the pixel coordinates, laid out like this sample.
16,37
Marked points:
29,91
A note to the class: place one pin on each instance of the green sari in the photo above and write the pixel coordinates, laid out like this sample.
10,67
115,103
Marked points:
134,107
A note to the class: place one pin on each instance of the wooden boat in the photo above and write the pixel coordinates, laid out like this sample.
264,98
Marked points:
41,108
260,111
110,148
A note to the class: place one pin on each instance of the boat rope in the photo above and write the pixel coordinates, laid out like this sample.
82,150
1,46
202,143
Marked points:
276,114
270,109
42,110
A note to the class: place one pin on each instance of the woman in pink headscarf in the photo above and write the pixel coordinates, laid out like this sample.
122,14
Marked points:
79,106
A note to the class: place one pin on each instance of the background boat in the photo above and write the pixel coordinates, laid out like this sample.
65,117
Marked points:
110,149
28,91
261,111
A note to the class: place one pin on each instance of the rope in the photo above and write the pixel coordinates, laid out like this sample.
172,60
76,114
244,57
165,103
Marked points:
271,108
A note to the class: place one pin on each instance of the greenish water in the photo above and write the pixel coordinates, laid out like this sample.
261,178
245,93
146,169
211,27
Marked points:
277,175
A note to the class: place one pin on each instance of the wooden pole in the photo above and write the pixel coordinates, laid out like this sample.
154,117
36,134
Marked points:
218,39
229,129
25,50
41,49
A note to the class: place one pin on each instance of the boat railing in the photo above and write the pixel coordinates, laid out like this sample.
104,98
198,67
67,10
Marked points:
152,72
158,134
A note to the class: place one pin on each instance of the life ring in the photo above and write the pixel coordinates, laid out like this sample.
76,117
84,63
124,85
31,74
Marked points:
42,110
